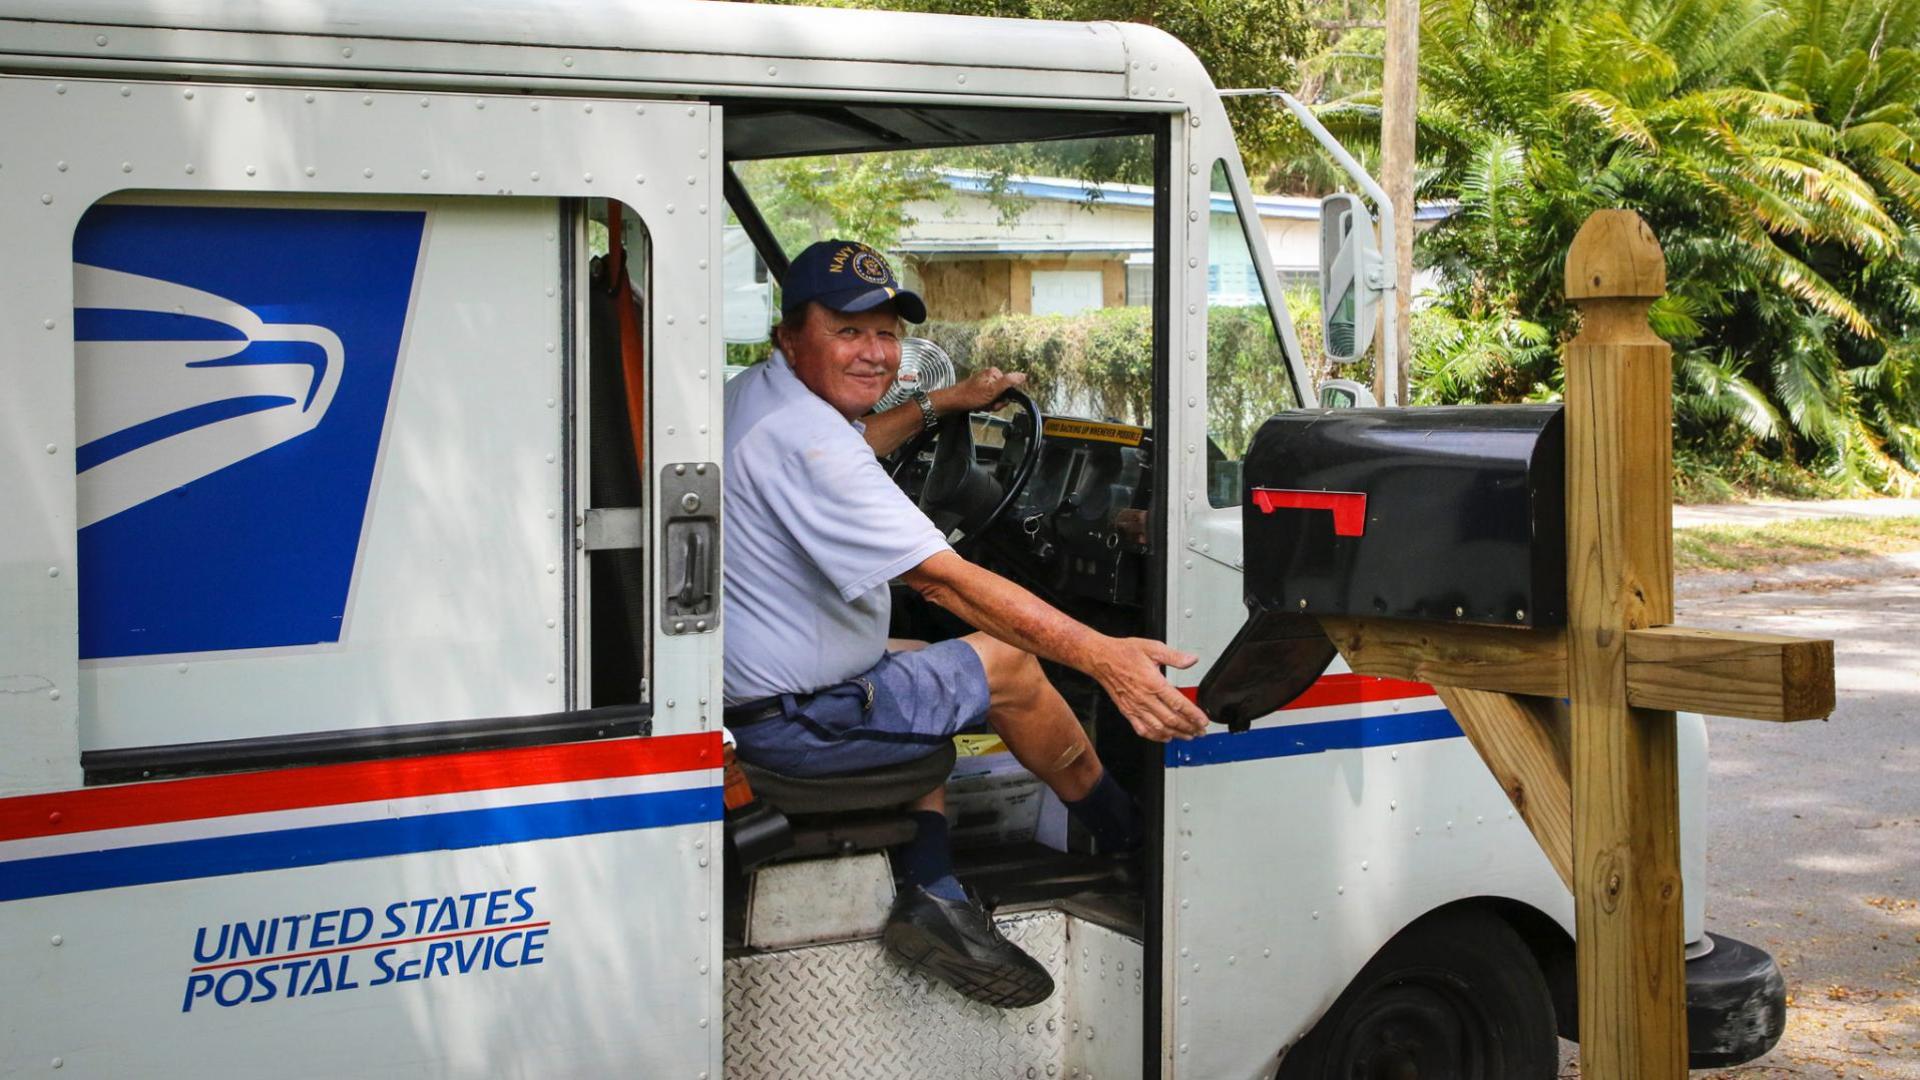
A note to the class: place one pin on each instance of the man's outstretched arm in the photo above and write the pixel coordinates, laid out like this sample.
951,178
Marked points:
1127,668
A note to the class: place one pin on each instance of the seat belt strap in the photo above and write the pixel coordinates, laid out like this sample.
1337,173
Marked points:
633,357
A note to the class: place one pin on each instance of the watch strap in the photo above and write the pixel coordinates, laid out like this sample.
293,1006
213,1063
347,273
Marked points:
928,418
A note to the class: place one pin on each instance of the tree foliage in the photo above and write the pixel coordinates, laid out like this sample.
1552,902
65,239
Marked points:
1771,144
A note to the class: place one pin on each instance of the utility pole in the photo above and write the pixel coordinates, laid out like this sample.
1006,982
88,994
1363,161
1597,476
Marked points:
1399,101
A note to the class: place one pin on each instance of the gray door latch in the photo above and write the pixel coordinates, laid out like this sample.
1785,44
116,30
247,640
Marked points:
690,547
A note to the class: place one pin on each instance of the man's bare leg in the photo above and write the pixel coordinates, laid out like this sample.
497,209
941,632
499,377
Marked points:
1035,721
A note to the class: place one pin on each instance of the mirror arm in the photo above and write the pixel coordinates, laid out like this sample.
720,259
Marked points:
1389,256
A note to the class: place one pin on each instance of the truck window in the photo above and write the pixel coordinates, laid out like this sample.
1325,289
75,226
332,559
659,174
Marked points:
1247,377
1024,253
323,470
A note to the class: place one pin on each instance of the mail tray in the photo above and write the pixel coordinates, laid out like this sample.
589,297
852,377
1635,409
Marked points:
1454,514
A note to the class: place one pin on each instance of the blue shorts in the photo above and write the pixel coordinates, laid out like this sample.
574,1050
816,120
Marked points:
901,709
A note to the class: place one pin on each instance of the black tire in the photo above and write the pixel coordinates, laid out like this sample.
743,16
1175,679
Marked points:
1456,996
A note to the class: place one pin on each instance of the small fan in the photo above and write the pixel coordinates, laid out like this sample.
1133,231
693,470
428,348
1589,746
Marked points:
923,366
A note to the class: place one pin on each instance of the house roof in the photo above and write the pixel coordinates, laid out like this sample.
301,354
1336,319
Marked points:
1285,207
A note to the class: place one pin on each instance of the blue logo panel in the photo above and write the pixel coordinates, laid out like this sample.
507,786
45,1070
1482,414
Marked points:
233,368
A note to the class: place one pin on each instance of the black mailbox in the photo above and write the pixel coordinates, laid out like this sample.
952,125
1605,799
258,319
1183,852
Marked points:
1454,514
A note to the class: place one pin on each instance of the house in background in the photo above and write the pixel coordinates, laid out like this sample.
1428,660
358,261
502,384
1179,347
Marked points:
1075,246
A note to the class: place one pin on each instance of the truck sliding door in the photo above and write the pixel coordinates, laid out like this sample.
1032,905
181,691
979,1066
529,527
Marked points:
311,774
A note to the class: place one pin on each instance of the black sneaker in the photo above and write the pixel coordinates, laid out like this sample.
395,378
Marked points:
956,942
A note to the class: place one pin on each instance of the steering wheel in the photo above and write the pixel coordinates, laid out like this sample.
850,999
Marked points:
961,496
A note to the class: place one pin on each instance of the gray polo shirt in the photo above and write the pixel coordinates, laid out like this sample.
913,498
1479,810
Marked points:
815,529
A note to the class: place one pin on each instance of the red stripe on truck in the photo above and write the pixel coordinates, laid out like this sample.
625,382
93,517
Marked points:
90,809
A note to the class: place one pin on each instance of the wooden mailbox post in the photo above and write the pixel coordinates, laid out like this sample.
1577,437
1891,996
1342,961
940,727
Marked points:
1595,780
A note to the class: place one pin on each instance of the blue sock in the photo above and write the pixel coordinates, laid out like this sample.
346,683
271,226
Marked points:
1111,815
927,859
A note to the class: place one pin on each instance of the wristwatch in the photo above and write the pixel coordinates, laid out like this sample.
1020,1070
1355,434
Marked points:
928,418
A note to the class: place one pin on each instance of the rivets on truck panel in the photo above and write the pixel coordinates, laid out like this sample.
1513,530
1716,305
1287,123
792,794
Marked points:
53,695
567,61
249,95
46,199
308,98
534,176
56,940
640,178
250,170
1316,916
126,166
53,571
346,52
188,94
368,173
52,449
550,677
59,88
100,40
367,99
190,169
126,91
310,171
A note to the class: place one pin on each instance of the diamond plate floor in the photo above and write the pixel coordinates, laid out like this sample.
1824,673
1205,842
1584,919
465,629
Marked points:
849,1011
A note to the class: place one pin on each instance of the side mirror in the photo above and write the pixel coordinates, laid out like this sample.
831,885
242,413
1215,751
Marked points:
1345,394
1350,281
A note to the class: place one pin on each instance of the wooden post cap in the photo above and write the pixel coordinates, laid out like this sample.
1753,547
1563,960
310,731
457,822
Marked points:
1615,257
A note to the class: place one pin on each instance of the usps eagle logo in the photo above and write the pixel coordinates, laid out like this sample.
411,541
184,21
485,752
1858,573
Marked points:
156,415
234,367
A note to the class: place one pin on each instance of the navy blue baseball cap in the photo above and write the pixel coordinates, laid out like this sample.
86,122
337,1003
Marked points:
846,276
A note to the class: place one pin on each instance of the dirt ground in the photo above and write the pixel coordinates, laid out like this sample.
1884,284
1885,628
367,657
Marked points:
1815,846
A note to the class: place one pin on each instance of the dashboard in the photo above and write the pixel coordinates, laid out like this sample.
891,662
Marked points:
1079,530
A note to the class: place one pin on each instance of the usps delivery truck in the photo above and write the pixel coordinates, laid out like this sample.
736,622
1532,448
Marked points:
361,572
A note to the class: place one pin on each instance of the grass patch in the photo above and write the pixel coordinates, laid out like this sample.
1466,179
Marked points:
1751,547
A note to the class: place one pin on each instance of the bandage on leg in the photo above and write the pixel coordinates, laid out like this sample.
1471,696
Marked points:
1069,756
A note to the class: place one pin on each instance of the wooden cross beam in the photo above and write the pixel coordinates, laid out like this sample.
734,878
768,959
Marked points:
1577,724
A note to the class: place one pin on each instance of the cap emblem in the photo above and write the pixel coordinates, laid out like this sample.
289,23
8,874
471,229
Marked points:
870,268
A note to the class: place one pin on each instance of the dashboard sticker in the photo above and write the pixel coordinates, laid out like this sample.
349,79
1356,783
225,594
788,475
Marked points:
1093,431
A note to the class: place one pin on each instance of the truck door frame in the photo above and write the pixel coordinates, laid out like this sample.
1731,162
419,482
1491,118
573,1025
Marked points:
111,135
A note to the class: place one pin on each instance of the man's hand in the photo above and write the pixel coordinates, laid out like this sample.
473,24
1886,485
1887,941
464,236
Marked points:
1129,670
976,391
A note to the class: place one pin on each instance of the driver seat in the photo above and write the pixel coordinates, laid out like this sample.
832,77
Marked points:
852,812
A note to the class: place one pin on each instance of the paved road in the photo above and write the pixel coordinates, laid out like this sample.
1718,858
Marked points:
1815,848
1766,513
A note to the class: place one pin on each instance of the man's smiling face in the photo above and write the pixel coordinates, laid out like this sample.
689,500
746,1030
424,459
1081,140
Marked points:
848,358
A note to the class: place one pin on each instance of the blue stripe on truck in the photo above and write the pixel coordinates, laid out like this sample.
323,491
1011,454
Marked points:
1288,740
85,871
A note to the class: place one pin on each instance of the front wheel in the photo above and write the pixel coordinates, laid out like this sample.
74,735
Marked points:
1456,996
